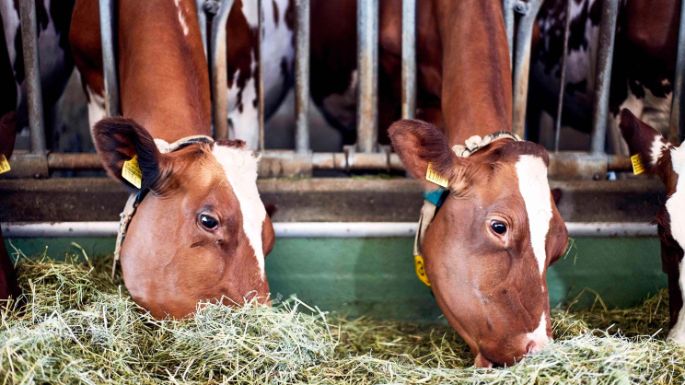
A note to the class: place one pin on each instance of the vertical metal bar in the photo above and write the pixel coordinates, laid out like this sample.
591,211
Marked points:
109,64
302,76
260,75
408,59
529,11
202,22
367,56
508,11
217,54
29,38
562,79
605,50
676,127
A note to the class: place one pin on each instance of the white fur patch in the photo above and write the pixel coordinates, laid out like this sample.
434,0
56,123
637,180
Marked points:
539,335
96,107
278,46
675,205
656,149
240,167
181,17
534,188
677,333
10,21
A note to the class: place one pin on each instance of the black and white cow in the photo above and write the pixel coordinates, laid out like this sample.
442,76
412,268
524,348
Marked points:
56,65
666,160
643,63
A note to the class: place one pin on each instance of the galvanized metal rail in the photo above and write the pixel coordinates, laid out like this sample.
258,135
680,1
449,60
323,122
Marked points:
29,37
365,154
367,68
607,33
408,59
528,11
315,229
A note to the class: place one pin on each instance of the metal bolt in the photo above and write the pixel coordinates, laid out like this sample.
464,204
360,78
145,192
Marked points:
521,7
211,7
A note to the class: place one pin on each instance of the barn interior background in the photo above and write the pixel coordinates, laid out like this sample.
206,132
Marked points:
346,215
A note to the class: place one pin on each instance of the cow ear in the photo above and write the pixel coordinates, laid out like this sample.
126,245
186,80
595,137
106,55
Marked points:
642,140
419,143
118,140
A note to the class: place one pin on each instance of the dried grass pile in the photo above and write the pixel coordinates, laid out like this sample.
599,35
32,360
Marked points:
76,326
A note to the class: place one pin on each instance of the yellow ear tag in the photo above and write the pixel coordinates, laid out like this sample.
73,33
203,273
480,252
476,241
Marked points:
4,164
421,270
131,172
638,167
433,176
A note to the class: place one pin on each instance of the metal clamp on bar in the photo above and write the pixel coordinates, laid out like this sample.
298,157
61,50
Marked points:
367,56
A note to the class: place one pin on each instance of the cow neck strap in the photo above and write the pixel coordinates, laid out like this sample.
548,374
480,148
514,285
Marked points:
433,199
134,199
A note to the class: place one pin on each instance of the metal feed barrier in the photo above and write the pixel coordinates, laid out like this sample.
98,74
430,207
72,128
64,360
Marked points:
519,19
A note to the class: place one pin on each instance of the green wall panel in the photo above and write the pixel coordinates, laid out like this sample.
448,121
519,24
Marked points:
375,276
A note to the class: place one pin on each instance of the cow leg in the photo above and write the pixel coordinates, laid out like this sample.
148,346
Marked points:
676,288
8,278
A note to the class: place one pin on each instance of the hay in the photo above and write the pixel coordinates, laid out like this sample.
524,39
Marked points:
76,326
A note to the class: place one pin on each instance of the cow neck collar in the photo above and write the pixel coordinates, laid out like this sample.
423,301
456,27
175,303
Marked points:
136,198
433,199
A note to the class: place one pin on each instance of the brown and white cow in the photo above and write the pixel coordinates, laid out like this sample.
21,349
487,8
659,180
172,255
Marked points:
201,231
666,160
488,246
643,63
242,71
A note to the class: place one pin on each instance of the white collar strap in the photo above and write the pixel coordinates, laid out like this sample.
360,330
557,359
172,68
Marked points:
475,143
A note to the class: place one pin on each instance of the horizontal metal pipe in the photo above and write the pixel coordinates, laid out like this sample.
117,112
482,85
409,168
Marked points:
318,160
315,229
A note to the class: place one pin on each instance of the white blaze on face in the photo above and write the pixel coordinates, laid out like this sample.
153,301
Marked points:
240,167
675,205
539,335
534,188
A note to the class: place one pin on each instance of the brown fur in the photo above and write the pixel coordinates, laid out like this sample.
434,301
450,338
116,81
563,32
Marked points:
639,137
170,262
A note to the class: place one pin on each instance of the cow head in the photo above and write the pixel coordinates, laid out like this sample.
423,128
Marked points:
201,232
489,245
652,153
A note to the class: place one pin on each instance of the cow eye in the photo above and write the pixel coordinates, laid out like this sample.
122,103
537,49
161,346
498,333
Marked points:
208,222
498,227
